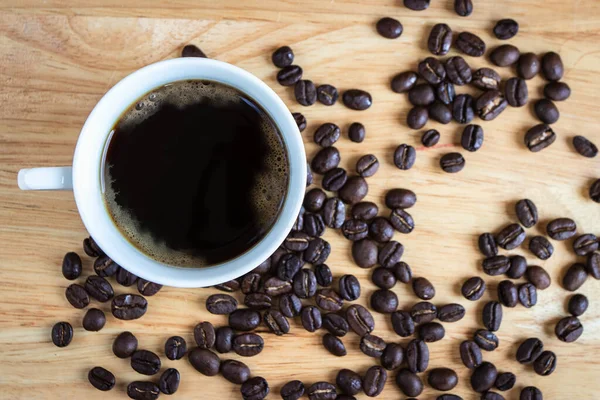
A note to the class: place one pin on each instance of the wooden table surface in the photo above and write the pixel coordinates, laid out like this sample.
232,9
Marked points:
59,57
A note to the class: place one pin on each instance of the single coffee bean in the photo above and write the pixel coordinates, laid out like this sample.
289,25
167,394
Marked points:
357,132
145,362
516,92
510,237
458,71
445,93
451,312
349,287
77,296
561,228
430,138
463,8
442,379
541,247
365,211
364,253
289,75
594,191
403,323
538,276
129,306
421,95
71,266
305,92
417,117
276,322
317,251
431,332
360,320
125,345
528,65
283,56
103,266
506,29
241,320
91,248
223,339
473,288
384,301
204,334
289,265
423,312
404,157
221,304
452,162
99,288
355,189
505,381
175,347
311,318
349,382
417,355
125,278
529,350
409,383
557,91
486,79
327,94
367,165
259,301
545,364
578,304
491,396
487,340
392,356
440,39
290,305
584,147
432,71
518,267
62,334
329,300
487,245
507,293
313,202
526,212
416,5
252,282
140,390
335,324
472,138
305,284
423,288
383,278
300,121
334,179
552,66
470,44
402,272
168,382
334,345
326,135
147,288
575,277
440,112
334,210
325,160
381,230
293,390
470,354
490,104
354,229
492,315
248,344
323,275
374,381
531,393
568,329
496,265
357,99
546,111
484,377
255,388
400,198
232,285
505,55
527,295
593,265
101,378
94,320
389,28
539,137
404,81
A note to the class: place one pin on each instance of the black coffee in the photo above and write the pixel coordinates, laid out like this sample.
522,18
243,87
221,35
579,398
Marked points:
196,173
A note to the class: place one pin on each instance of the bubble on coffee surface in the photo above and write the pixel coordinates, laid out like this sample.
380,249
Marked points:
267,194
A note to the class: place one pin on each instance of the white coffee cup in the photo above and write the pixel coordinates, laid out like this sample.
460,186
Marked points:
84,177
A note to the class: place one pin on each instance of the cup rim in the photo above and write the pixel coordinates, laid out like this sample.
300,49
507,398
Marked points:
88,158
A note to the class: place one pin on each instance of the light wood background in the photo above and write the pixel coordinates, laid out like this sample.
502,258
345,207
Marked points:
58,58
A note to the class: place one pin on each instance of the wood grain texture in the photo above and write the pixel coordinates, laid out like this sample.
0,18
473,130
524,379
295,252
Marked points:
60,56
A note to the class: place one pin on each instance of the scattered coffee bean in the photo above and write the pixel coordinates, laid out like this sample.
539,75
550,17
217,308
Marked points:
445,93
360,320
440,112
538,276
561,228
492,315
282,57
463,8
409,383
251,282
305,284
423,312
383,278
349,382
381,230
125,278
430,138
323,276
527,295
147,288
578,304
496,265
329,300
568,329
168,382
223,339
365,211
289,75
557,91
575,277
240,320
451,312
594,191
334,213
305,92
400,198
417,117
313,226
300,121
487,245
470,44
356,132
389,28
526,212
290,305
103,266
192,51
145,362
417,355
531,393
311,318
552,66
91,248
248,344
334,345
470,354
431,332
545,364
440,40
327,134
508,294
452,162
442,379
221,304
77,296
473,288
292,390
367,165
129,306
364,253
94,320
101,378
505,55
260,301
334,179
99,288
539,137
432,71
593,265
529,350
584,147
472,138
357,99
335,324
141,390
349,287
255,388
317,251
486,340
392,356
486,79
528,65
71,266
404,81
422,94
546,111
403,323
518,266
505,381
458,71
231,286
423,288
516,92
62,334
125,345
288,266
384,301
355,189
491,396
510,237
175,346
490,104
403,272
276,322
484,377
541,247
416,5
354,229
506,29
374,381
327,94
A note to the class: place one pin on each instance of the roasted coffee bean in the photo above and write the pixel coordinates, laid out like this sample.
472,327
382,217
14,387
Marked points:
557,91
496,265
325,160
374,381
321,391
71,266
526,212
538,276
367,165
383,278
300,121
432,71
423,312
417,117
541,247
472,138
381,230
505,381
349,382
145,362
62,334
409,383
584,147
313,202
575,277
486,340
516,92
365,211
568,329
451,312
594,191
357,132
223,339
421,95
458,71
372,345
510,237
470,354
251,282
360,320
545,364
311,318
531,393
168,382
354,229
204,333
91,248
486,79
462,109
276,322
329,300
539,137
416,5
384,301
289,265
404,81
491,396
103,266
326,135
490,104
552,66
470,44
561,228
400,198
77,296
403,323
140,390
365,252
440,112
125,345
323,275
507,293
505,55
423,288
392,356
317,251
255,388
473,288
440,40
175,347
101,378
578,304
94,320
430,138
283,56
492,315
529,350
417,355
147,288
445,92
593,265
431,332
404,157
191,50
334,345
528,65
442,379
389,28
125,278
293,390
335,324
242,320
349,287
305,284
221,304
259,301
506,29
99,288
546,111
487,245
248,344
527,295
235,371
463,8
305,92
289,75
518,267
334,179
357,99
355,189
327,94
290,305
484,377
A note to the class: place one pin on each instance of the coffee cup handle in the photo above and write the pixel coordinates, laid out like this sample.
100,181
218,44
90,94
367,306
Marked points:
47,178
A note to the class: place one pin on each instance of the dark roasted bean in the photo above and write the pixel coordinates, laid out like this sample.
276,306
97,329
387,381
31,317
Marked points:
141,390
99,288
276,322
527,295
147,288
561,228
103,266
128,306
305,284
360,320
321,391
365,211
289,75
327,94
311,318
175,347
506,29
486,340
507,293
423,312
124,345
403,323
313,226
487,245
292,390
404,81
518,267
552,66
255,388
365,252
546,111
305,92
409,383
283,56
389,28
313,202
145,362
492,315
192,51
259,301
77,296
381,230
356,132
126,278
593,265
557,91
484,377
242,320
574,277
585,147
221,304
539,137
423,288
392,356
470,354
432,70
528,65
470,44
431,332
578,304
290,305
538,276
367,165
440,39
545,364
417,5
440,112
329,300
91,248
505,55
357,99
505,381
486,79
372,345
235,371
383,278
452,162
445,92
374,381
526,212
349,287
326,135
417,117
442,379
473,288
71,266
168,382
101,378
531,393
404,156
568,329
541,247
355,189
334,345
510,237
62,334
472,138
94,320
529,350
463,8
430,138
229,286
317,251
334,213
516,92
334,179
323,275
296,241
224,339
384,301
335,324
462,109
594,191
585,244
288,266
490,104
248,344
204,334
349,382
354,229
417,355
451,312
325,160
300,121
458,71
421,95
